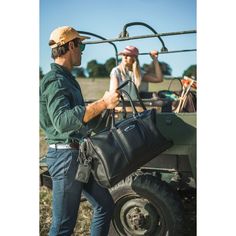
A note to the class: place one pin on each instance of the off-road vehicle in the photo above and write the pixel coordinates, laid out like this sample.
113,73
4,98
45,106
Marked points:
155,199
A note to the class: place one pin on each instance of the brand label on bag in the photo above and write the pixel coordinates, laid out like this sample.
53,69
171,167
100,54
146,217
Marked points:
129,128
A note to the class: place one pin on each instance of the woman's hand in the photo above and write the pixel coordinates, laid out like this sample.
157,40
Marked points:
158,77
154,54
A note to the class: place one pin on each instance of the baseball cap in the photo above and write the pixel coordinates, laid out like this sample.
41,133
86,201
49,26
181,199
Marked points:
62,35
130,51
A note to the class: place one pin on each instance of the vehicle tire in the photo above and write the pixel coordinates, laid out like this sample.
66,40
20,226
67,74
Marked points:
146,205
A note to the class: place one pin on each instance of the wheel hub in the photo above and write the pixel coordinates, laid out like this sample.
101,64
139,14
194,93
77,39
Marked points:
138,217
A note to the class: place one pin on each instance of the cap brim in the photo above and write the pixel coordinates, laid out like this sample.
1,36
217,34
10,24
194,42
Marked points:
83,37
124,53
127,54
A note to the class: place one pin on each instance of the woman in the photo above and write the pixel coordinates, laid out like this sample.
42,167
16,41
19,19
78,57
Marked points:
129,68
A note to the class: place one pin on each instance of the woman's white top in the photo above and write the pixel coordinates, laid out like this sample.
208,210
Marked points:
129,75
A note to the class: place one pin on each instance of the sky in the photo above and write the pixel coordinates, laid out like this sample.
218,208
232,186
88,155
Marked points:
107,18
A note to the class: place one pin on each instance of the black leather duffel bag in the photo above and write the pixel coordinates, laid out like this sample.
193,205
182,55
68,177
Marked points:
128,144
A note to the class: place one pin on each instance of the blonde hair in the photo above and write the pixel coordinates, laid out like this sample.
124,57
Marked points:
136,71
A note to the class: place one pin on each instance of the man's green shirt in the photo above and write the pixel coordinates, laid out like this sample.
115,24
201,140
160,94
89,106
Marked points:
62,106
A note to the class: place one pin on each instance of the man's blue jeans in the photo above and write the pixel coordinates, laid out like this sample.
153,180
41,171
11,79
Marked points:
62,166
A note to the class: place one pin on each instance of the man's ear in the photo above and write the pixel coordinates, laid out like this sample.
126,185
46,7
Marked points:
71,45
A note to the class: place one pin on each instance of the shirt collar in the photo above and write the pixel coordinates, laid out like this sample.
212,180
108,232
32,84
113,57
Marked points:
57,67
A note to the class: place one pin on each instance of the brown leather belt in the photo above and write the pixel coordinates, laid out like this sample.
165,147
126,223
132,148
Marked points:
74,145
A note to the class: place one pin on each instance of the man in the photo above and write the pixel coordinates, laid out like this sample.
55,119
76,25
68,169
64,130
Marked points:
63,116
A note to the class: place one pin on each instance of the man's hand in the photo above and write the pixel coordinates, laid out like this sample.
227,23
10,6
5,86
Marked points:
111,99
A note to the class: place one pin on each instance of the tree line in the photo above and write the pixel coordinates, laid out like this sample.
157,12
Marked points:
99,70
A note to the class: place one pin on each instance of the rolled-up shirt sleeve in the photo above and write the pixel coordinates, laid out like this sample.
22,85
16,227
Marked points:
64,115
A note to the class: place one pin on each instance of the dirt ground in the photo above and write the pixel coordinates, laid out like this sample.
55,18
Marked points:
85,214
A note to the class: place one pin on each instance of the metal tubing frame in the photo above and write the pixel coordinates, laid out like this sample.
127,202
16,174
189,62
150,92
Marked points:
98,36
141,37
174,51
124,33
164,50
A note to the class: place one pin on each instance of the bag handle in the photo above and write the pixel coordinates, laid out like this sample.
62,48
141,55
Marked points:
123,84
112,112
136,91
134,110
124,113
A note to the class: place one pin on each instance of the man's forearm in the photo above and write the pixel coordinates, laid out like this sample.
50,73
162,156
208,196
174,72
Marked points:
94,109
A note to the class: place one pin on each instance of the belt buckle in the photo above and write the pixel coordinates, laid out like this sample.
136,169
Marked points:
74,145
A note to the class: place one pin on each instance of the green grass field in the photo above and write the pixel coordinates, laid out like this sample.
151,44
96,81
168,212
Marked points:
95,88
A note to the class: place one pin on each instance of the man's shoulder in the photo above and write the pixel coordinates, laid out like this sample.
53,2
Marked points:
51,79
53,75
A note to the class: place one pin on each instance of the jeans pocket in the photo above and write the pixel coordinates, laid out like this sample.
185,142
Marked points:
60,162
71,163
67,163
51,158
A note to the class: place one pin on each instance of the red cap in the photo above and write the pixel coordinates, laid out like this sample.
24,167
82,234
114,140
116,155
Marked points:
130,51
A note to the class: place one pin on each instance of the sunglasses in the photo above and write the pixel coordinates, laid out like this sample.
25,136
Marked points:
77,43
82,47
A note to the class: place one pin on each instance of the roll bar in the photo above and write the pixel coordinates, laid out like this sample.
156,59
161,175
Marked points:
124,36
125,33
140,37
98,36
